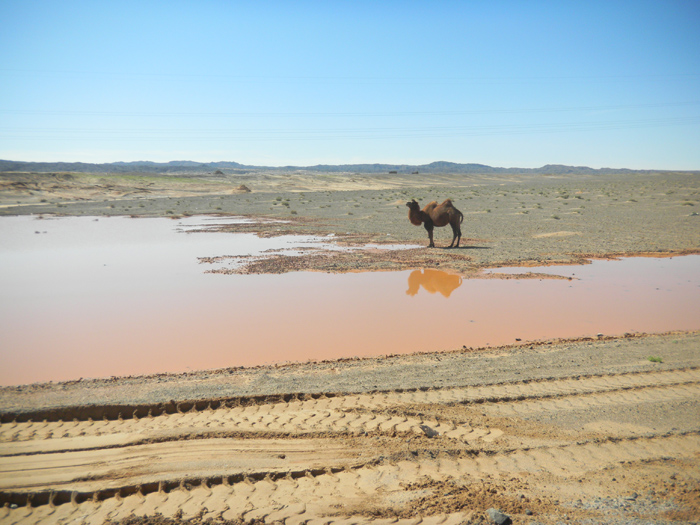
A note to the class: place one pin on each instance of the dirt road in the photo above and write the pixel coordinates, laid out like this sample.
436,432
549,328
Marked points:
589,445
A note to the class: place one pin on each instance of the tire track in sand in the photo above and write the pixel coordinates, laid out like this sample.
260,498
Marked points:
340,412
592,401
348,451
70,417
317,493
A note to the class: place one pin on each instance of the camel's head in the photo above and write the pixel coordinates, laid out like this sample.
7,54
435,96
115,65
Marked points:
414,213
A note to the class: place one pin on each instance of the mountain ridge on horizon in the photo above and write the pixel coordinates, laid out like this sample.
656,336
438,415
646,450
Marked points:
188,166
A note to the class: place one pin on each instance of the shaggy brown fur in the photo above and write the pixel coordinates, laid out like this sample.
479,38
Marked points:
435,214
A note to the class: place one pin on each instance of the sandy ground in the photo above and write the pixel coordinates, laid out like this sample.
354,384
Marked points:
585,431
507,220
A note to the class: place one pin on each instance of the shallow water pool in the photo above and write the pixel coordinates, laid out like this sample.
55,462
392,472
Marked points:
83,297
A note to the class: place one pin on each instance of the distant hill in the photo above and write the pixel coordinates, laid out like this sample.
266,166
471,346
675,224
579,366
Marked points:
176,166
191,167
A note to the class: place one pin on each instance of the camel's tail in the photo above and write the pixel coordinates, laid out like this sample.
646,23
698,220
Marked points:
461,217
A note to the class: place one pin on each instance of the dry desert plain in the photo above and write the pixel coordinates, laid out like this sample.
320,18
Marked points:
576,431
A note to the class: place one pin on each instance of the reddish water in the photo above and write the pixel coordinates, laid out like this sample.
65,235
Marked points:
125,296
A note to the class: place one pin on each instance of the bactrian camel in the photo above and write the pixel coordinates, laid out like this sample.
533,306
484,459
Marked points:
435,214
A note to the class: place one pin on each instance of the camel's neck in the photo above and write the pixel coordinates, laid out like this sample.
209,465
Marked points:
415,217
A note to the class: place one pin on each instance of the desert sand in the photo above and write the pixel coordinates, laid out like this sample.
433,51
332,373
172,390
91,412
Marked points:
601,429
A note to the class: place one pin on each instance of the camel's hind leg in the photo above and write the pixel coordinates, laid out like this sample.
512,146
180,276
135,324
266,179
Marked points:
456,235
429,226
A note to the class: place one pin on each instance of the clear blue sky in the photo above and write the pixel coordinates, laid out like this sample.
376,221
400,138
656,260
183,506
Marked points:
519,83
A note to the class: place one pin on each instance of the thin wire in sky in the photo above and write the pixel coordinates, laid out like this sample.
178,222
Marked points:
321,79
448,112
373,133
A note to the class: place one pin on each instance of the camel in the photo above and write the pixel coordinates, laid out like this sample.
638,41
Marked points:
435,214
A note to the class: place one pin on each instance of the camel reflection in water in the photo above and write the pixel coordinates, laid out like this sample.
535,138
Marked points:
433,281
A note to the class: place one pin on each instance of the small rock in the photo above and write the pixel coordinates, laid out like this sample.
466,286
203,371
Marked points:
632,496
430,432
528,512
498,517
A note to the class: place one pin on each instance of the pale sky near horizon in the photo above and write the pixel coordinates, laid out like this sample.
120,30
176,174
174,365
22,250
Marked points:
503,83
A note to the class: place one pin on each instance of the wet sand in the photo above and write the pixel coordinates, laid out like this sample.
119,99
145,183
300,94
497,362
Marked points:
599,430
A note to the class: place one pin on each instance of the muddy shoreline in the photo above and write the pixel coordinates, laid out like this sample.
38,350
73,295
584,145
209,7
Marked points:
449,369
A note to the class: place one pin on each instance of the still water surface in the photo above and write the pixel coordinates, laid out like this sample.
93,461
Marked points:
94,298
